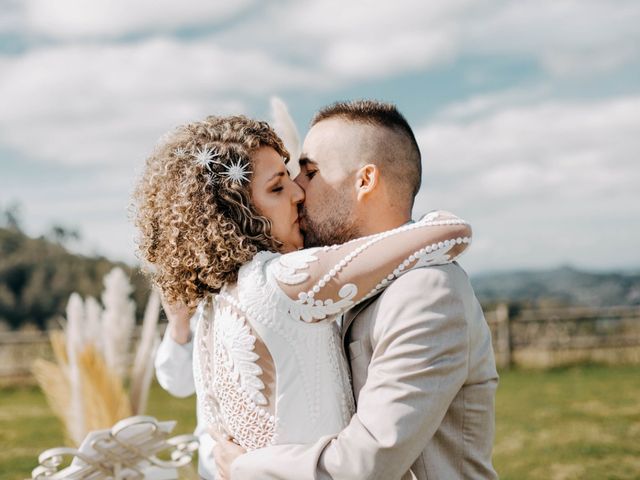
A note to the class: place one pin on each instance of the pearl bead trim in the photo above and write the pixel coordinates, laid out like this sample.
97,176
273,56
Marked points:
307,297
414,257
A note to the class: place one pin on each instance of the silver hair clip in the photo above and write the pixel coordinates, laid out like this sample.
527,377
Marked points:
180,152
204,157
236,172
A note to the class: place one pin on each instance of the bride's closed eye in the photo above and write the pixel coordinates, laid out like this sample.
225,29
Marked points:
311,174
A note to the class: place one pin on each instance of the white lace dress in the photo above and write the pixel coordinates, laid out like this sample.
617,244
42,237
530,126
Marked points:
268,364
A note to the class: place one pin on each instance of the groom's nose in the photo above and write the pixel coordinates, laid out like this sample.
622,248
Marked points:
301,180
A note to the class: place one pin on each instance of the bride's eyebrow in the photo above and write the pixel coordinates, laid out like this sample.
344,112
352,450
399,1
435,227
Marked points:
275,175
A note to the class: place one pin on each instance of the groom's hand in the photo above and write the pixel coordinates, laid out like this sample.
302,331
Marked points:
224,452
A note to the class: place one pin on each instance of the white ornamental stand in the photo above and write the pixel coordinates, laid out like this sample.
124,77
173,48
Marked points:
125,452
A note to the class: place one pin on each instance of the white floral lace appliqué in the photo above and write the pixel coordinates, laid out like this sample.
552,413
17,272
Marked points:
289,269
308,309
220,372
285,269
439,257
239,343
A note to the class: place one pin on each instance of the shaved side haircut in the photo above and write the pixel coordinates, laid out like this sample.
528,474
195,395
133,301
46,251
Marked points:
393,147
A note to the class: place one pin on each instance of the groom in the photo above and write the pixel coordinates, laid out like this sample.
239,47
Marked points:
422,365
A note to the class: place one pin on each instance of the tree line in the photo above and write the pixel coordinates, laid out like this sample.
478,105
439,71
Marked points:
37,275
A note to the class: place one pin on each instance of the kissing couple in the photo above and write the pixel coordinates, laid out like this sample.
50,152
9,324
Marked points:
334,337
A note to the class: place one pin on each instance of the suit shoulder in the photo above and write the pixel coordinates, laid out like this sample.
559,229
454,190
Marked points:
450,275
421,297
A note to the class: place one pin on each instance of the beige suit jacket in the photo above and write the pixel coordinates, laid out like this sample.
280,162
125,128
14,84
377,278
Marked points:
424,378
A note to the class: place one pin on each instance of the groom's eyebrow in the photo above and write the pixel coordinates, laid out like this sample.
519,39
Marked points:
306,161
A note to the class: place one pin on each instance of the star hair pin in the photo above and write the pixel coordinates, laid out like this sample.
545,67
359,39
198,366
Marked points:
236,172
180,152
204,157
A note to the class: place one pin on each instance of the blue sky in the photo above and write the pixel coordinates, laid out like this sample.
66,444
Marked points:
527,112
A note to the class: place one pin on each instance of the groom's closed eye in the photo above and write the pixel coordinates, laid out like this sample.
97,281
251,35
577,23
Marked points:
308,167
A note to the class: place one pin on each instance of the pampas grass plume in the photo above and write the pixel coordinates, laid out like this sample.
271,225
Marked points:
142,372
93,323
54,382
85,385
74,339
118,320
104,398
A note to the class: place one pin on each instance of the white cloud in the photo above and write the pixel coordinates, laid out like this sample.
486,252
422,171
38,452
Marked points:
350,41
407,51
356,40
105,103
572,37
482,105
71,19
346,42
353,41
359,40
537,178
589,61
12,17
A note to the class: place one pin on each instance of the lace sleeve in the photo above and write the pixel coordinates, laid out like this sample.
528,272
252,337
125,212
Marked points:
321,282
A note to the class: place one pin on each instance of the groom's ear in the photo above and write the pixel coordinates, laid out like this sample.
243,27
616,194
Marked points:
367,179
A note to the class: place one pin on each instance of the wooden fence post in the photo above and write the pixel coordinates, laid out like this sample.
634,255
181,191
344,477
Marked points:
503,340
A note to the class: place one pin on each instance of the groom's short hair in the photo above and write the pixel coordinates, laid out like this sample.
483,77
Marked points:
399,160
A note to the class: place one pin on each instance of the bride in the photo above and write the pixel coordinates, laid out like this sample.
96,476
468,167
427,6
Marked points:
219,231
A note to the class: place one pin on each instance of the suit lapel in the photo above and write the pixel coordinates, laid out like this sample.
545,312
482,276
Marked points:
351,315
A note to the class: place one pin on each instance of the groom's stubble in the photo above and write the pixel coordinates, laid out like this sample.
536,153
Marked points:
331,222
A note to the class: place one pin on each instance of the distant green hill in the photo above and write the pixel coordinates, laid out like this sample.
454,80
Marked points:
37,275
564,286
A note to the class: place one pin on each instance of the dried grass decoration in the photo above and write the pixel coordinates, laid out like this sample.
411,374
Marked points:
84,385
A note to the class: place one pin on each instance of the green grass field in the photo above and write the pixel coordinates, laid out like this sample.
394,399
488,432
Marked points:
575,423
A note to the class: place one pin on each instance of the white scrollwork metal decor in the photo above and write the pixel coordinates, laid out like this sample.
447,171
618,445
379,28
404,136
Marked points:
127,451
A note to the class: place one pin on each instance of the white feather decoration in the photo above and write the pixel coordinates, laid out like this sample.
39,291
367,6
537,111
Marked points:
286,129
118,320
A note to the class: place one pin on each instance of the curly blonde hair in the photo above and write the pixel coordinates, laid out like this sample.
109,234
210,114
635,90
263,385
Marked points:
195,233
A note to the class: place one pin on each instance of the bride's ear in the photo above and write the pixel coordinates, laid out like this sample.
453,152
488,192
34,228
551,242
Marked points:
367,179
